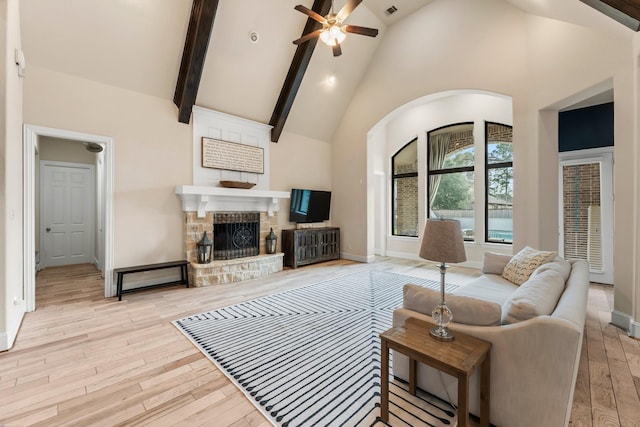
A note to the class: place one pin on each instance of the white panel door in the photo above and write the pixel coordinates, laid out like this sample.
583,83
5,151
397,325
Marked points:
67,213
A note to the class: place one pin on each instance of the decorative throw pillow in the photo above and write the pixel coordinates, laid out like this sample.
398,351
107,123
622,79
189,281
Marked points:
467,310
494,263
558,264
521,266
537,296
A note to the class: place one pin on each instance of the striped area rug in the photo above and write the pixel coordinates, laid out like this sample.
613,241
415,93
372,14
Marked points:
311,356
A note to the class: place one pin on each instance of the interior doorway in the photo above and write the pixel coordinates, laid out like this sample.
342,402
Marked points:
68,223
104,202
586,210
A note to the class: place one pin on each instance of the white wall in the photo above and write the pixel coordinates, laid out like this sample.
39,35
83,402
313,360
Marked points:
631,307
61,150
11,262
4,336
299,162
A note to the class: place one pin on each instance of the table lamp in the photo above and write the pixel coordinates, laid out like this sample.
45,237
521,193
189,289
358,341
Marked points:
442,242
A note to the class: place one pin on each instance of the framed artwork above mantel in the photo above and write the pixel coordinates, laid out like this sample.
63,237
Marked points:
218,154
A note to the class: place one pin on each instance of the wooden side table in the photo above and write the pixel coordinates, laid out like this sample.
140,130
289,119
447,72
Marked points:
459,358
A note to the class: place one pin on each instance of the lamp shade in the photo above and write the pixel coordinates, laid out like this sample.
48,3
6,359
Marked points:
442,241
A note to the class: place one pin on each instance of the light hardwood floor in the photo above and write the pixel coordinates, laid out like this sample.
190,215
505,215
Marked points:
82,359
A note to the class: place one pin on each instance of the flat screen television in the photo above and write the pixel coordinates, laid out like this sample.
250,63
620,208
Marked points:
309,205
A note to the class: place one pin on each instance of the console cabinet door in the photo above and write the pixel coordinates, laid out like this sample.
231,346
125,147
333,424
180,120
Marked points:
308,246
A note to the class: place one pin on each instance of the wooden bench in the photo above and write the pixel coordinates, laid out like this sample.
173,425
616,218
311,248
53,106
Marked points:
184,276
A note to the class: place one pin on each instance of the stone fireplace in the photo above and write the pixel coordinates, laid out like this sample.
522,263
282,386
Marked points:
237,221
206,199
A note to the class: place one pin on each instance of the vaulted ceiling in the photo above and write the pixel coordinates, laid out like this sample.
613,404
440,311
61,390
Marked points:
138,45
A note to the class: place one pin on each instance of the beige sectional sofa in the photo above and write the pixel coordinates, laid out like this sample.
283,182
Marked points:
536,331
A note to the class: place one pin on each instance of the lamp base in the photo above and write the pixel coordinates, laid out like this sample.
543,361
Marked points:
441,333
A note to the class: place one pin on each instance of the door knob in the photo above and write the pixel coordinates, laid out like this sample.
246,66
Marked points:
48,229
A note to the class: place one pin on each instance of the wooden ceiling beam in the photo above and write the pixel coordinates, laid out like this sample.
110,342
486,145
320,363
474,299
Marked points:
203,13
628,7
296,72
626,12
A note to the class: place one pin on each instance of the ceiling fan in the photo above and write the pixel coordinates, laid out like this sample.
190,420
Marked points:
333,31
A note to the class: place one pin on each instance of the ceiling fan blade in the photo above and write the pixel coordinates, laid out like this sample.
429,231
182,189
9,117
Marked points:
363,31
337,50
347,9
310,13
308,37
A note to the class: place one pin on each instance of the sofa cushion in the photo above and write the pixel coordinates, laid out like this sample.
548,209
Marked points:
488,287
558,264
494,263
537,296
465,310
520,267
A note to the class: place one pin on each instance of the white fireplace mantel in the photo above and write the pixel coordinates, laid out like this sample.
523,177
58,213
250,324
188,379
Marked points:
203,199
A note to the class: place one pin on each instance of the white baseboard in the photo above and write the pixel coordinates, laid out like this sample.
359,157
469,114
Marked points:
634,330
357,258
621,320
626,322
4,341
7,338
404,255
37,262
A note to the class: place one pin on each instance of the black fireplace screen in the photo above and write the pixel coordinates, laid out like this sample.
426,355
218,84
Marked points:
236,234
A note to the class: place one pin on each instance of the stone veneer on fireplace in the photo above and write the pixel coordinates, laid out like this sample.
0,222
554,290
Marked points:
228,270
200,204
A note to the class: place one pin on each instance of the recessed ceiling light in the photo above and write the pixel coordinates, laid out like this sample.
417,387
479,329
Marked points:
331,79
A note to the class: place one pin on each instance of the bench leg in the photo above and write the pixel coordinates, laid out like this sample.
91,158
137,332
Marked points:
185,274
120,286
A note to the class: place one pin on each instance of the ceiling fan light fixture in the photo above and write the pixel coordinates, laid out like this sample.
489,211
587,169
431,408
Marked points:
325,36
332,35
333,32
337,33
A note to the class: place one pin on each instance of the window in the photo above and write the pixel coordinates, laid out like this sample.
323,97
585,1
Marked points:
581,214
499,183
405,190
451,152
